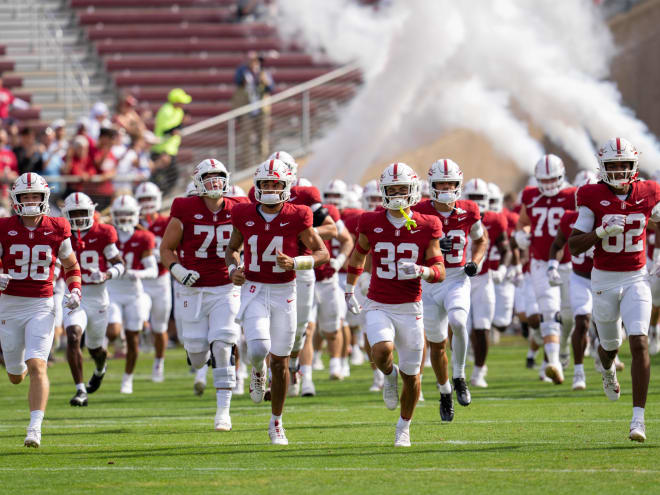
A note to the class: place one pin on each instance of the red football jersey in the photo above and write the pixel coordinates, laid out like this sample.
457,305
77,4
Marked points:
511,221
496,224
157,227
545,213
457,226
627,251
585,261
205,238
90,249
133,249
29,255
262,240
389,245
325,270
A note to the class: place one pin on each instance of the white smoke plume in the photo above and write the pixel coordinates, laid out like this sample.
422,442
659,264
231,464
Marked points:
432,66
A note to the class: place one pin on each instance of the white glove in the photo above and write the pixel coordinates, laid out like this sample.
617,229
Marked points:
338,262
554,278
612,225
351,302
522,238
4,280
183,275
72,300
500,274
363,283
514,274
96,276
409,270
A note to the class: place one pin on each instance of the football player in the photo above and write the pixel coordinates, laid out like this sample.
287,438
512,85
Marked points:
158,290
95,246
193,248
30,242
127,293
405,248
448,303
612,216
269,233
542,209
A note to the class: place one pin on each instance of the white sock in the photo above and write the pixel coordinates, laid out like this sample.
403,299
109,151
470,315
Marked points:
638,413
344,362
445,388
335,362
275,420
306,371
200,374
355,349
552,351
403,424
128,377
378,374
531,354
36,418
158,362
477,371
81,387
100,372
579,368
223,400
317,355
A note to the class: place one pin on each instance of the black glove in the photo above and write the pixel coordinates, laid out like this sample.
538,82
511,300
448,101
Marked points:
446,245
319,216
470,268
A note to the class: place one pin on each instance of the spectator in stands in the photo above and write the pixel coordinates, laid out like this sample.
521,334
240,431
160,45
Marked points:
99,119
245,8
167,128
8,164
53,162
60,144
28,153
79,163
12,129
253,83
127,117
134,163
7,99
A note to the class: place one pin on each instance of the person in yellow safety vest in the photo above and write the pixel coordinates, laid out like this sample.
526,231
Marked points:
167,126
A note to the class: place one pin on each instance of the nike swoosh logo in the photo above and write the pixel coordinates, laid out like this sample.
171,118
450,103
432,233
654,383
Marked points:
418,317
284,223
47,233
92,240
559,200
289,300
638,202
414,231
460,219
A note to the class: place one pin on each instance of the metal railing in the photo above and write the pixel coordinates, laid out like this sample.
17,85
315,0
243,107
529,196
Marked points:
72,80
289,120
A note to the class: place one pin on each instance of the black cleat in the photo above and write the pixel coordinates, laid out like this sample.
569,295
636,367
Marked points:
79,400
94,383
530,363
462,393
446,407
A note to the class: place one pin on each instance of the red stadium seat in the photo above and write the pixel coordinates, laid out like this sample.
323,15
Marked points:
112,46
147,62
6,65
94,4
162,31
154,16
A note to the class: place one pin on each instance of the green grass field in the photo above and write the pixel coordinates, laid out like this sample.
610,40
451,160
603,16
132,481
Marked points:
519,435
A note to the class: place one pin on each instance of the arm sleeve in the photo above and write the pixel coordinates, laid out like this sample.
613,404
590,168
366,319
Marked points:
477,230
110,251
150,269
65,249
585,220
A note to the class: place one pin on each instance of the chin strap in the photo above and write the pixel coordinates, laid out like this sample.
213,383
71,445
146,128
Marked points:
410,223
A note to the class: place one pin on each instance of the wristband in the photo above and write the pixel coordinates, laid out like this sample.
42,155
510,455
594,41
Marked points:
436,274
117,270
231,268
73,272
75,285
434,260
553,264
354,270
341,259
303,262
349,289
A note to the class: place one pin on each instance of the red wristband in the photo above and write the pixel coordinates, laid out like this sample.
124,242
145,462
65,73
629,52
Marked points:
360,249
354,270
436,274
434,260
74,272
74,285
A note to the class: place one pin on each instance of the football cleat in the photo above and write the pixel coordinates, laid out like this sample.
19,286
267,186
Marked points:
555,373
307,388
637,431
79,400
345,368
336,372
33,438
462,392
126,386
258,384
391,389
611,385
158,374
357,358
223,423
94,383
530,363
478,381
446,407
579,381
402,437
277,434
